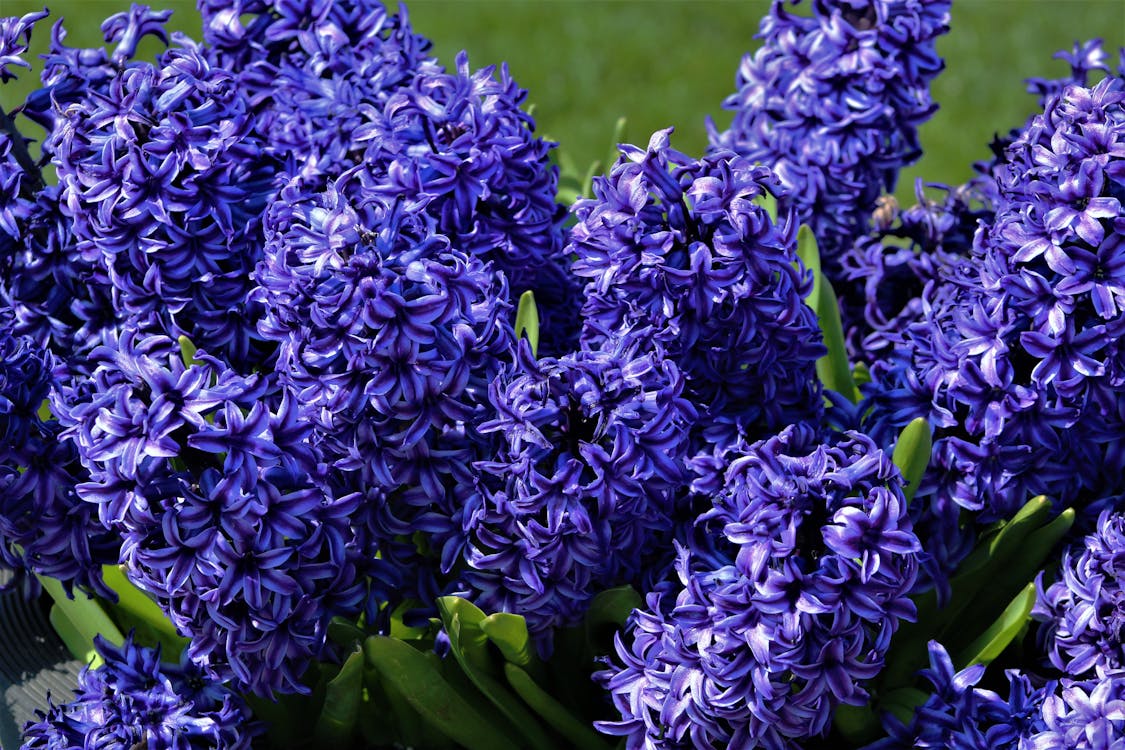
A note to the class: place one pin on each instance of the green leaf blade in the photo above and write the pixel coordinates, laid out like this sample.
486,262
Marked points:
527,320
912,454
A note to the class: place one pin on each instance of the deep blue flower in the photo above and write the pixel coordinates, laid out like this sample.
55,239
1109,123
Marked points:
1016,357
15,37
312,69
885,271
678,247
459,147
44,528
787,601
832,101
390,338
163,179
224,510
1084,716
136,700
1084,611
960,716
581,490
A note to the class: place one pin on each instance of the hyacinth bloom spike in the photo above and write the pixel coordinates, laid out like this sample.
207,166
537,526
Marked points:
681,248
136,700
832,101
580,497
1011,352
784,608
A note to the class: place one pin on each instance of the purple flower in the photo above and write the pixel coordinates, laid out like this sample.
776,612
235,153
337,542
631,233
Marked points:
1084,611
136,700
1084,716
312,70
677,247
224,511
959,716
581,491
787,601
390,338
887,269
832,101
459,148
164,182
44,527
1016,357
15,37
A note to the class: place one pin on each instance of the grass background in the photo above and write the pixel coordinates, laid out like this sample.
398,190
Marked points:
672,62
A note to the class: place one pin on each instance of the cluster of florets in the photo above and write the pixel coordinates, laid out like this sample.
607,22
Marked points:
789,596
136,700
218,499
313,70
390,337
459,148
679,247
163,181
833,101
44,528
1084,611
887,269
45,282
581,491
1036,715
1015,360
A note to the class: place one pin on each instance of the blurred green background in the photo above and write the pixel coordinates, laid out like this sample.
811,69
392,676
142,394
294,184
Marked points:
672,62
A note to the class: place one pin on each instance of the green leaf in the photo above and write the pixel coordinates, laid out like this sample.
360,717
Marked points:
1005,580
613,607
417,677
509,633
833,368
344,632
861,374
73,638
577,732
84,613
527,320
912,454
858,724
337,721
908,652
992,642
808,252
45,414
486,681
141,606
769,203
608,612
903,702
187,351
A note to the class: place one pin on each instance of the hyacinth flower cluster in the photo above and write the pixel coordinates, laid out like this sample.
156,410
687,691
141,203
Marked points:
582,490
312,70
1063,714
136,700
787,600
888,269
1083,612
832,100
44,529
389,337
163,183
221,506
1015,361
683,250
411,502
